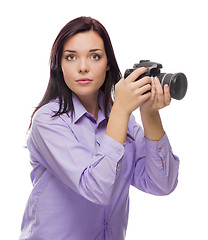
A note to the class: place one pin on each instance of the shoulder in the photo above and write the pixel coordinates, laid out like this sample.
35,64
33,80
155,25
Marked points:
48,109
45,115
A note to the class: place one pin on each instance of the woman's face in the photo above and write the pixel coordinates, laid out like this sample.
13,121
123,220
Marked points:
84,63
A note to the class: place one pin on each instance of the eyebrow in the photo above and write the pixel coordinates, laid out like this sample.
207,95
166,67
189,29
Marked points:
91,50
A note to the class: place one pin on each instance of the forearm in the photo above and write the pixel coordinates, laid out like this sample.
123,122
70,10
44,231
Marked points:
152,125
118,124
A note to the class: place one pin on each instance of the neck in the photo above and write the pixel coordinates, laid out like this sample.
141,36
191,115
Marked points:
91,104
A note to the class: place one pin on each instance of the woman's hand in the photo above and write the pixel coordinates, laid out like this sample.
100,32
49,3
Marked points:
150,116
159,98
131,94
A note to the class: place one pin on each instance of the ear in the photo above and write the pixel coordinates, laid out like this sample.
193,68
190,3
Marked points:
107,68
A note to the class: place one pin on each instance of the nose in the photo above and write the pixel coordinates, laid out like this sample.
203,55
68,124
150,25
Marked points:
83,67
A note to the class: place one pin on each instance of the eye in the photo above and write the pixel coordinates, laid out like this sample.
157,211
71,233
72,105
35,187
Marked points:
70,57
95,57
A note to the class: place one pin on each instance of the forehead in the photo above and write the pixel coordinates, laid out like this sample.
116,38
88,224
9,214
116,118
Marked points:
84,41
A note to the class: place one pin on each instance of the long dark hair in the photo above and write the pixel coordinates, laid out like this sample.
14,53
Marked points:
57,87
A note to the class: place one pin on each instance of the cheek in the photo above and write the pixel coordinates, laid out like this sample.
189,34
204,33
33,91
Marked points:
67,74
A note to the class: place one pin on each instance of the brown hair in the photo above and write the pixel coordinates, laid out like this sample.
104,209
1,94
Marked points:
57,87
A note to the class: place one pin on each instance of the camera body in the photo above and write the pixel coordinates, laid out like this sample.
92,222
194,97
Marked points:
177,82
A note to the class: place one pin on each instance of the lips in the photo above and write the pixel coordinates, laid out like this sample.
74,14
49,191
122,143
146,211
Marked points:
84,80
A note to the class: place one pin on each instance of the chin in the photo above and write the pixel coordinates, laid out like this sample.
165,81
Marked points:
86,93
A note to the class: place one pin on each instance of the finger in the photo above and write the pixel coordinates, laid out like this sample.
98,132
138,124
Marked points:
136,73
145,97
167,97
144,89
153,90
159,91
142,82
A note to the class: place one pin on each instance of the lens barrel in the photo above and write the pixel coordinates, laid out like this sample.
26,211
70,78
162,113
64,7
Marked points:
177,82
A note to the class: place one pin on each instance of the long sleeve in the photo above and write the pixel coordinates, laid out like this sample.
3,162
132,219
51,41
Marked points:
54,145
156,167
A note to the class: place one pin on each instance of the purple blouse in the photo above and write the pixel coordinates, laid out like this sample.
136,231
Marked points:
81,176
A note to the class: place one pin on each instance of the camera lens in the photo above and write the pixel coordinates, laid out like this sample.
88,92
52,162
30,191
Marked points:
177,83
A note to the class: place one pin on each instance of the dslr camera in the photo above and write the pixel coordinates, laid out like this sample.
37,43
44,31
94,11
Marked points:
177,82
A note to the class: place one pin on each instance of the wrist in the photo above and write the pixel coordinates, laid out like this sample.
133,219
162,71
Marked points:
152,125
150,113
118,124
120,110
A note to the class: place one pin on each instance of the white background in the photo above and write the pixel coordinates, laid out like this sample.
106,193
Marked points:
171,32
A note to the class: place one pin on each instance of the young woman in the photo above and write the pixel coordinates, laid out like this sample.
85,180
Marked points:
86,150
